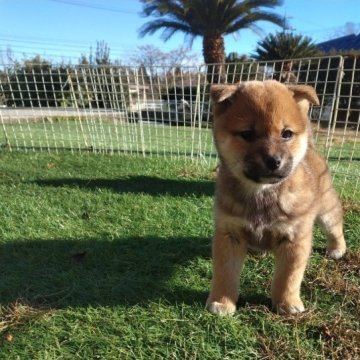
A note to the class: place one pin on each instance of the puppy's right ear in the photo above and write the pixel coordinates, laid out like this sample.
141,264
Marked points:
304,95
222,96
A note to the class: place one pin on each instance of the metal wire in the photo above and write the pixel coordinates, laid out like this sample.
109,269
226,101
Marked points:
165,111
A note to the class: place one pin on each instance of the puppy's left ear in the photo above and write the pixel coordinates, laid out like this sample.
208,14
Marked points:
221,92
304,95
222,96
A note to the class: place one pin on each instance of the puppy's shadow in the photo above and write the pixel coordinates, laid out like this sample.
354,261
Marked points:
61,273
137,184
255,299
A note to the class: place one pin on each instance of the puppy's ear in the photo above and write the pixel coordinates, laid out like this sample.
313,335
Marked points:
222,96
304,95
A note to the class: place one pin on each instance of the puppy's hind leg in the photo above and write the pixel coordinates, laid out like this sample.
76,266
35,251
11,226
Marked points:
331,222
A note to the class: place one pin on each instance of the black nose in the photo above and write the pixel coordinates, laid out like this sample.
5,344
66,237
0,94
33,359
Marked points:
273,162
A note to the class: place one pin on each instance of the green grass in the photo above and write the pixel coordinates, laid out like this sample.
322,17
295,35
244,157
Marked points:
114,136
108,257
107,136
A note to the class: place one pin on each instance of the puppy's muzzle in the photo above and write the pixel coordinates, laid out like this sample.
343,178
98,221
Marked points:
272,162
269,169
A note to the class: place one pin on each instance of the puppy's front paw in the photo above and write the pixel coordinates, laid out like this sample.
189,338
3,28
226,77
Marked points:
225,307
336,253
289,308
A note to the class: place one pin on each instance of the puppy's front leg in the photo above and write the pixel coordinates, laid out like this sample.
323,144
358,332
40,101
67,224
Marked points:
228,258
290,263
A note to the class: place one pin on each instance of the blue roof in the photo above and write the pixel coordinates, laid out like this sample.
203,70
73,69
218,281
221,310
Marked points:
348,42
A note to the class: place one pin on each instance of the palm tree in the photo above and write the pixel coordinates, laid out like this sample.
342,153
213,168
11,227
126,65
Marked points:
209,19
285,45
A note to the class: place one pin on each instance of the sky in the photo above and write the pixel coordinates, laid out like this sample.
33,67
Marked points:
65,29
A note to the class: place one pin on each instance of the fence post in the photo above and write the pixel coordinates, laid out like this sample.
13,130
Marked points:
335,110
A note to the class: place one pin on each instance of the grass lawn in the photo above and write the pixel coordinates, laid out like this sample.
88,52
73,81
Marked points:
109,257
105,136
108,137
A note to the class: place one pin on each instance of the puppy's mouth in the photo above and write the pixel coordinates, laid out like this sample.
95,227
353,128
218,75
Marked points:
266,179
272,179
262,175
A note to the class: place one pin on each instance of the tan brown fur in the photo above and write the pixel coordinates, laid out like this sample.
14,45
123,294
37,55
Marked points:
270,189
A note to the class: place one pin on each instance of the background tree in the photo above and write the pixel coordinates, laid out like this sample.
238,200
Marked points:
209,19
240,68
179,79
285,46
36,82
84,60
102,53
99,79
148,56
7,57
151,56
181,56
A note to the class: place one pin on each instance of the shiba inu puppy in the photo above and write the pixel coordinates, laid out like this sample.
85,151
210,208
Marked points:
272,186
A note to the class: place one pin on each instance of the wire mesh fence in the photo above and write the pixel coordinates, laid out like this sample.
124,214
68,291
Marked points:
165,111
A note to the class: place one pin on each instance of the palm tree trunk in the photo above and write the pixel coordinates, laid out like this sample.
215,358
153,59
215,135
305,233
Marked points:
214,56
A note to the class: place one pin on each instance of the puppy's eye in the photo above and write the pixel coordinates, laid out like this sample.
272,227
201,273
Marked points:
287,134
247,135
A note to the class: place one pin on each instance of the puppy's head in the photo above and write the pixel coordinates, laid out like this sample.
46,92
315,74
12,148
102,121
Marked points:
261,129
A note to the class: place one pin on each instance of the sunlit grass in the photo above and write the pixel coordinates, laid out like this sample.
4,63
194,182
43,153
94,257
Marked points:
108,137
109,257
